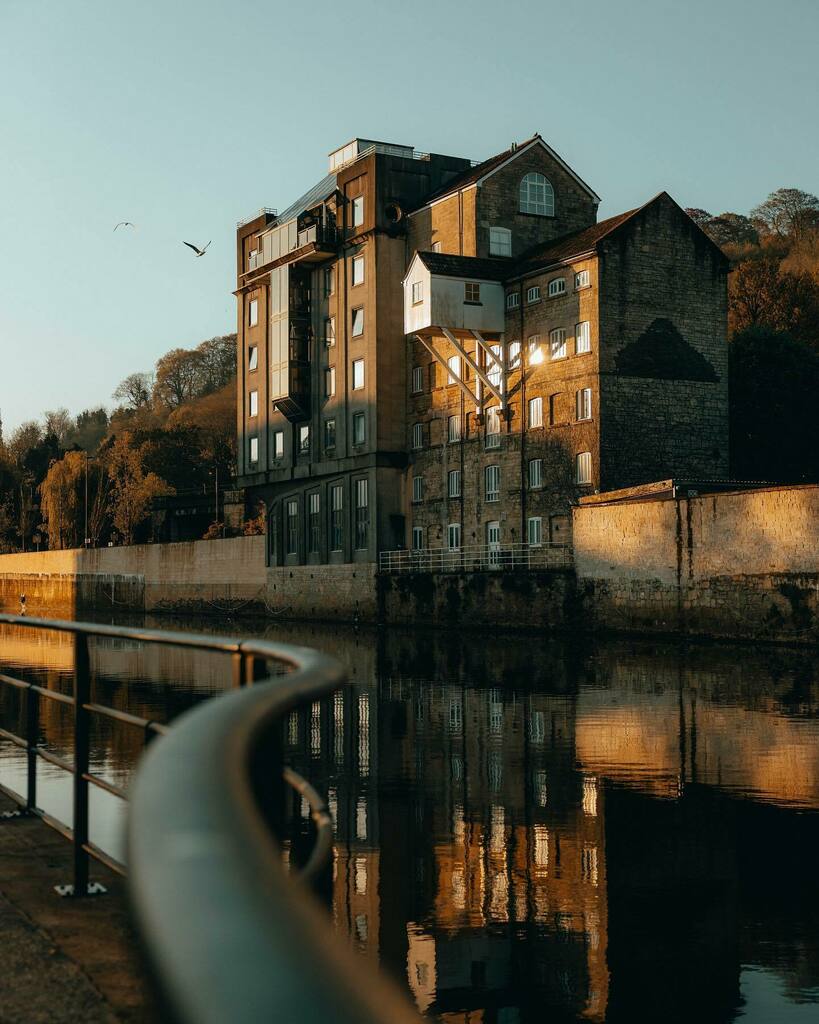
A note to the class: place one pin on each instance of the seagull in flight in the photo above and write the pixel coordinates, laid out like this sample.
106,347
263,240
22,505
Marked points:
196,249
124,224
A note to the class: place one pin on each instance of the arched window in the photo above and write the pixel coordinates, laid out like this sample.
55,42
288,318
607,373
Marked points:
537,195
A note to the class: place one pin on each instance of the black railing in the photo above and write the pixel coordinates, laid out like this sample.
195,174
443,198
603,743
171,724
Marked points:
230,934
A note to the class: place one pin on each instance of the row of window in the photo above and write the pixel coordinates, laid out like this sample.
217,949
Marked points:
293,523
534,534
555,287
359,436
492,479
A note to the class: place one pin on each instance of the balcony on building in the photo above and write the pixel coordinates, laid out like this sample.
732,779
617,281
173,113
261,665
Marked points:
461,293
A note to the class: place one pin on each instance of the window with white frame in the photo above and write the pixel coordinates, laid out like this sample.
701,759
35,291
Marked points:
581,279
329,434
557,343
278,444
358,374
500,242
533,354
362,514
304,438
253,358
493,366
453,536
536,412
358,322
512,300
313,522
292,513
583,468
537,195
436,246
417,538
253,450
453,429
417,488
329,381
253,312
493,427
358,270
358,211
472,291
535,473
492,483
454,364
534,531
253,404
557,286
513,354
417,292
329,331
417,435
533,294
359,428
454,483
329,280
582,337
417,380
336,517
583,404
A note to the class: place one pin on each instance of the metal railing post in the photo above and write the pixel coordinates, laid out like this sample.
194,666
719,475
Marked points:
238,667
82,696
32,727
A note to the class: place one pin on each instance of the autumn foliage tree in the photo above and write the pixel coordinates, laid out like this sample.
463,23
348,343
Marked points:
132,489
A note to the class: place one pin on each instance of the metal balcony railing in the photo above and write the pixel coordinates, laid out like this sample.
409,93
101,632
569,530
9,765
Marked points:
230,935
477,558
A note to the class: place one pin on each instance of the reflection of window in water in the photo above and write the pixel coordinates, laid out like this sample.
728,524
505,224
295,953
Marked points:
419,710
361,927
495,717
458,888
458,823
338,726
332,807
499,893
361,818
495,770
457,768
361,876
422,974
588,864
497,840
541,846
305,808
315,728
590,796
293,728
455,716
364,734
541,790
335,865
495,695
592,929
537,727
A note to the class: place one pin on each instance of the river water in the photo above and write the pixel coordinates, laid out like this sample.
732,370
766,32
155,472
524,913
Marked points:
527,830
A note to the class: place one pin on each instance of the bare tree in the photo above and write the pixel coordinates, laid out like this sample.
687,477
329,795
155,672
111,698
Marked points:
218,361
788,212
135,390
58,422
179,377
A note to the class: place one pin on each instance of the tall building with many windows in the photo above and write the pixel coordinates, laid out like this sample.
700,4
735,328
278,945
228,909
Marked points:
435,353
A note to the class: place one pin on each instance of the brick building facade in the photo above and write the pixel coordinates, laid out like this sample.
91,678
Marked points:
444,355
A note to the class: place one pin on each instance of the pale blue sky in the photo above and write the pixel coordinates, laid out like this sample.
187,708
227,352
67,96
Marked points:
185,115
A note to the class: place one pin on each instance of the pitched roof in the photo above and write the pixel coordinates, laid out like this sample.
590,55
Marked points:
572,244
447,265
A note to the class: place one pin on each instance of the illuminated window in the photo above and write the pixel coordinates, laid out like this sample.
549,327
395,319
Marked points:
582,337
358,270
252,358
358,211
583,468
557,287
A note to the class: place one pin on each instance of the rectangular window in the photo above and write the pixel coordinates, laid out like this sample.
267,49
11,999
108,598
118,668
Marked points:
500,242
358,270
358,211
492,482
359,428
417,379
581,279
253,452
453,536
329,331
417,538
535,531
358,374
454,364
535,473
557,286
582,404
313,522
253,405
292,527
454,483
535,412
557,343
417,488
278,444
436,246
472,292
513,353
329,382
336,517
417,435
513,300
493,427
253,312
582,337
329,434
493,366
417,292
583,468
362,515
358,322
253,358
454,429
304,439
329,280
534,355
533,294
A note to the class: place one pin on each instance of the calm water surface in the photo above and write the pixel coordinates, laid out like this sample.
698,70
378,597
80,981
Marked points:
528,830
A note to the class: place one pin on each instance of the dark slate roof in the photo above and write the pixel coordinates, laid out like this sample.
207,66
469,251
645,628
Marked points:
573,244
317,194
447,265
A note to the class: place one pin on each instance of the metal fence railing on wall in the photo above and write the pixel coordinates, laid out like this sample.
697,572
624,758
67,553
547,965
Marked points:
477,558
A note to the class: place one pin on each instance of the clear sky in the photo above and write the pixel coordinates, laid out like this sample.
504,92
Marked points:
186,115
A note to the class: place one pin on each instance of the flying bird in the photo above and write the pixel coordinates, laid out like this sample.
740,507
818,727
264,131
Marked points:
124,224
196,249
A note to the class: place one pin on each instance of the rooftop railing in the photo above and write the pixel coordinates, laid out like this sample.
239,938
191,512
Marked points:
477,558
230,934
263,211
